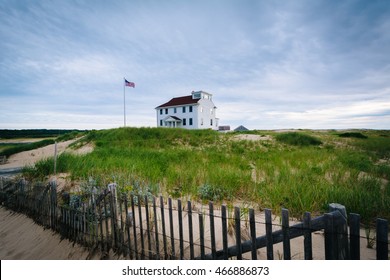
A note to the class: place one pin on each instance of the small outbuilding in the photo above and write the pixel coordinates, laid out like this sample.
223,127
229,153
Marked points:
241,128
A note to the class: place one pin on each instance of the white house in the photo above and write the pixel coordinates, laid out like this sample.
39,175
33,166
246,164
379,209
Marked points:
195,111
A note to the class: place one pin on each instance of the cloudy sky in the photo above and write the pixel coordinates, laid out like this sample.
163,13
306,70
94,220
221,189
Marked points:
269,64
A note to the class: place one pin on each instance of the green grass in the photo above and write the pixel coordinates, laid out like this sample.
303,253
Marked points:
302,171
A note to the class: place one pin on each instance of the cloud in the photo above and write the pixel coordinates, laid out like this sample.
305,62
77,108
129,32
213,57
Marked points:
268,64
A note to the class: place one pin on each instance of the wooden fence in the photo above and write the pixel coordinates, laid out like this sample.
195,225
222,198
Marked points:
146,227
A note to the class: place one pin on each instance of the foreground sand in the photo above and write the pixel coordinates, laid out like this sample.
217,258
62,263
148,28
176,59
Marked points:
22,239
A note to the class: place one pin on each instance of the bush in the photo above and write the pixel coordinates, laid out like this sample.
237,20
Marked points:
353,135
212,193
298,139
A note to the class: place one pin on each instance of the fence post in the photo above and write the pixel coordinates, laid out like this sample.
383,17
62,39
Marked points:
190,230
268,229
307,236
212,230
224,232
252,224
181,238
329,240
382,246
286,235
237,223
341,232
354,238
173,255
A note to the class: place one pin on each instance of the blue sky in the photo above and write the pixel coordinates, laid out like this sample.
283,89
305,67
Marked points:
269,64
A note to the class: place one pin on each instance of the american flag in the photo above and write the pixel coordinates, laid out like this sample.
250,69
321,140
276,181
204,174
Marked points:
129,84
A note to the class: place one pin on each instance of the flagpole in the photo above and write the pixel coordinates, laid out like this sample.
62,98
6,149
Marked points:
124,102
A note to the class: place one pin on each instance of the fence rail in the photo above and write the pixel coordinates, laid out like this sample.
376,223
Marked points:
146,227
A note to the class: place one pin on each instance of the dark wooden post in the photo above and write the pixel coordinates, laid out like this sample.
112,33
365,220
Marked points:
308,248
252,225
156,229
173,255
180,217
129,222
268,230
341,231
237,223
190,230
354,236
106,221
382,244
224,232
148,226
134,227
286,235
141,230
329,237
201,236
163,228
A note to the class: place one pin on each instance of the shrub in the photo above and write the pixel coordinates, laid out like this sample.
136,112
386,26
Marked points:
353,135
209,192
298,139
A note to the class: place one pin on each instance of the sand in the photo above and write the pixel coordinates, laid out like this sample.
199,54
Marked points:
31,157
22,239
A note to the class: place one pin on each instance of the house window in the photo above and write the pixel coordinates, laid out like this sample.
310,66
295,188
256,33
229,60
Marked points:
184,121
161,123
201,109
166,111
211,122
190,109
160,111
190,120
184,109
211,111
201,121
174,110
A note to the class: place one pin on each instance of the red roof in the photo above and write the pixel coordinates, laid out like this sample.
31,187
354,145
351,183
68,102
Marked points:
183,100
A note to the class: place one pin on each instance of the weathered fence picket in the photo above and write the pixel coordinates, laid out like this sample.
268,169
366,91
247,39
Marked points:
354,236
171,228
224,232
307,243
109,222
286,235
190,230
268,230
181,236
382,243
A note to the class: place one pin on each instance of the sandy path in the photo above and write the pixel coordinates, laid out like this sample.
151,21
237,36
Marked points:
22,239
31,157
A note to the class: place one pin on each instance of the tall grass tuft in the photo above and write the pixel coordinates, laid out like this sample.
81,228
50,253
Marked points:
298,139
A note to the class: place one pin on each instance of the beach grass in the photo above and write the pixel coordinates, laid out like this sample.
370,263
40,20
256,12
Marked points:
301,171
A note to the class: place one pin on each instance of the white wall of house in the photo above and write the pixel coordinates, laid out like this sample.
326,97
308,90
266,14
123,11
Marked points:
177,111
199,115
206,115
